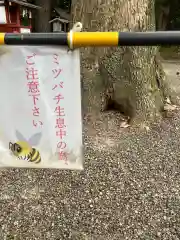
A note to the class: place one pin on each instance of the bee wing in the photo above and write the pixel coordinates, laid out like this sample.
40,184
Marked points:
35,139
20,137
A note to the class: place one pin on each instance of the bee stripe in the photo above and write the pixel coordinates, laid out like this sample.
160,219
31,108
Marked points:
35,156
38,160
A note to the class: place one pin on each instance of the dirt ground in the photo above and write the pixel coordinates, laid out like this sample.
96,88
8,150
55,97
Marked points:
129,189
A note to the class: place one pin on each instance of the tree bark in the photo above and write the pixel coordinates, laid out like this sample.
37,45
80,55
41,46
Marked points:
43,16
123,78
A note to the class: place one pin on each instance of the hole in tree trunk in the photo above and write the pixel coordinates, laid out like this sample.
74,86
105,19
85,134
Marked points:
125,108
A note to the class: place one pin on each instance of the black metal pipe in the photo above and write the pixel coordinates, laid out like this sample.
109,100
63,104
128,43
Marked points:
96,39
149,38
36,39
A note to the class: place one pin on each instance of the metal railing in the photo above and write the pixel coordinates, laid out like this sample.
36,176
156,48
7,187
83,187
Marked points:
95,39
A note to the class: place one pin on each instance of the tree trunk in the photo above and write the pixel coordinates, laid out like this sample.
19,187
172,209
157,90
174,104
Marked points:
43,16
124,78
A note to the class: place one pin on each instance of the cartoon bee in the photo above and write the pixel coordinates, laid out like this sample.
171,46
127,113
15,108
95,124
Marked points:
23,149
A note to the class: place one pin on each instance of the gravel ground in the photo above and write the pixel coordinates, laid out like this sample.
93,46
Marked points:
130,189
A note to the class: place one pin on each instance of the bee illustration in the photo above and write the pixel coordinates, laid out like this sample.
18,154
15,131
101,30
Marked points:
23,149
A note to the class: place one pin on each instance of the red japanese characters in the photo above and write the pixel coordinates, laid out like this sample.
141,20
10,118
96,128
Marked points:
60,125
33,88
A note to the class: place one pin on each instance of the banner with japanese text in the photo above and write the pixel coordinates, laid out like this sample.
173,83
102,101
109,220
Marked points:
40,104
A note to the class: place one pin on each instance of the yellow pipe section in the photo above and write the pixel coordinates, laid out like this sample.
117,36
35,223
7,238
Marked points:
85,39
2,38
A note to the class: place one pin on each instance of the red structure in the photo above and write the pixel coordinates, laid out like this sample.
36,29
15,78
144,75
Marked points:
15,16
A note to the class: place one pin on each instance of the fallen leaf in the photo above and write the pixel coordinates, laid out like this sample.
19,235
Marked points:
144,126
169,107
147,128
124,125
168,101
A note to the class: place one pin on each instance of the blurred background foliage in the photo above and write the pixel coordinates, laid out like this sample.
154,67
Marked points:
167,14
168,19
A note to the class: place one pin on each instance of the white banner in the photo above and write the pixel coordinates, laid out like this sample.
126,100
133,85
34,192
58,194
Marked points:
3,19
40,108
